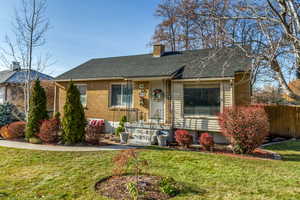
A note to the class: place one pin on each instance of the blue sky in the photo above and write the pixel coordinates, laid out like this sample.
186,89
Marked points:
81,30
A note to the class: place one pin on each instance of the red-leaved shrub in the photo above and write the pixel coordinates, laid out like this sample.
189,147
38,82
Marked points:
13,130
183,137
245,127
49,131
207,141
92,134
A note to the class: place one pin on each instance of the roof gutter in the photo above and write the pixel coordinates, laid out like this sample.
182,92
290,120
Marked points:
115,78
89,79
149,78
205,79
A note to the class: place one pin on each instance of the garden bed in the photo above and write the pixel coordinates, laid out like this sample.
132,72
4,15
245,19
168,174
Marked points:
116,187
226,150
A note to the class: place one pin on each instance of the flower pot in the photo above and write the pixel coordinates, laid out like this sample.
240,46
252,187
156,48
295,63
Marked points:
162,140
124,137
154,138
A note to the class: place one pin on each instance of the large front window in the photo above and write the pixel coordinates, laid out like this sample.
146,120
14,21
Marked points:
121,95
201,100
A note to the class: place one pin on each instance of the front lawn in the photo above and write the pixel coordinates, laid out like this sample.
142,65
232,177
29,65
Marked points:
27,175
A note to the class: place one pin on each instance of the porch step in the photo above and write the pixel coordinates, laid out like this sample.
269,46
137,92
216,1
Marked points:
141,136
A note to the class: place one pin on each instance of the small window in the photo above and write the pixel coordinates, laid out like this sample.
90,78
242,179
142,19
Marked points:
83,96
121,95
2,94
201,100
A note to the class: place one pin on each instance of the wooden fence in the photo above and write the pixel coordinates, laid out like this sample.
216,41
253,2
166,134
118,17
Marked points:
284,120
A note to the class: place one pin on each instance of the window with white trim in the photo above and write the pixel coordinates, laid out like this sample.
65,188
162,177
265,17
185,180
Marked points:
121,95
83,96
2,94
201,100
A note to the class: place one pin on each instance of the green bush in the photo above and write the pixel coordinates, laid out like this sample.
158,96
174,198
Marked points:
133,190
169,186
37,110
73,122
9,113
121,127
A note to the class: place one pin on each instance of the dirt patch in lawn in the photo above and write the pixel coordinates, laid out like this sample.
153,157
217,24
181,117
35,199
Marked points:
115,187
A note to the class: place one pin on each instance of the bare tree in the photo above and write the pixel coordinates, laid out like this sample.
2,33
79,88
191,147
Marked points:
167,32
29,27
268,31
186,16
275,47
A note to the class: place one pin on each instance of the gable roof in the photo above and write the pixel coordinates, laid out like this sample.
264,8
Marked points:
186,64
6,74
10,76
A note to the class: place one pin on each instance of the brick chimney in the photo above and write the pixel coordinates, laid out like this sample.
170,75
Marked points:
15,66
158,50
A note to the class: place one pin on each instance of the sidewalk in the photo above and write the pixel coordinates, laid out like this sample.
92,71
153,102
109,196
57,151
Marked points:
24,145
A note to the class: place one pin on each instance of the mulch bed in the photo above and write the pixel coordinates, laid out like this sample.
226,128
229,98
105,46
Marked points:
225,150
115,187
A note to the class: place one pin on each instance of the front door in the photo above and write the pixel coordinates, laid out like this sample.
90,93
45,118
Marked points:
157,100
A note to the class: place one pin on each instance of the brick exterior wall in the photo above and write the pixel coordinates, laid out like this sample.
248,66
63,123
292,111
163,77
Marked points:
98,100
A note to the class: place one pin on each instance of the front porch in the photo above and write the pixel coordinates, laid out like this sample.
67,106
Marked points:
143,133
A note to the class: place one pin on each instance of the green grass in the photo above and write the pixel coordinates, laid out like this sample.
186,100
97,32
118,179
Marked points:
27,175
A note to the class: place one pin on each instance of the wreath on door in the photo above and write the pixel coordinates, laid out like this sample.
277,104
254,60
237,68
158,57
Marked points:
157,94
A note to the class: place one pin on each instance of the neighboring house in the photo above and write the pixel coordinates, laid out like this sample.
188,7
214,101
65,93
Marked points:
163,90
12,86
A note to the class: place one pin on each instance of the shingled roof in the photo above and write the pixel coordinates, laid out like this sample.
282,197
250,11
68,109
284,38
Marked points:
19,76
5,75
187,64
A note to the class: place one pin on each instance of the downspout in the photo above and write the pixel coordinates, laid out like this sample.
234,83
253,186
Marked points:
5,93
55,95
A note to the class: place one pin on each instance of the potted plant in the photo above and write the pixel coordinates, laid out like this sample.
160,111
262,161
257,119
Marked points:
121,130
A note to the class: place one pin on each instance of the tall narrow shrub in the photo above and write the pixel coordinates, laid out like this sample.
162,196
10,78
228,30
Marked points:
37,110
73,122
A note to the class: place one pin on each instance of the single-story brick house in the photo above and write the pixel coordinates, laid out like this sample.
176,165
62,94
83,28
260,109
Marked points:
12,86
162,90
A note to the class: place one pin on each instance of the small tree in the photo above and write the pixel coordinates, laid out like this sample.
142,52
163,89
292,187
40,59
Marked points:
37,110
73,122
245,127
130,160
